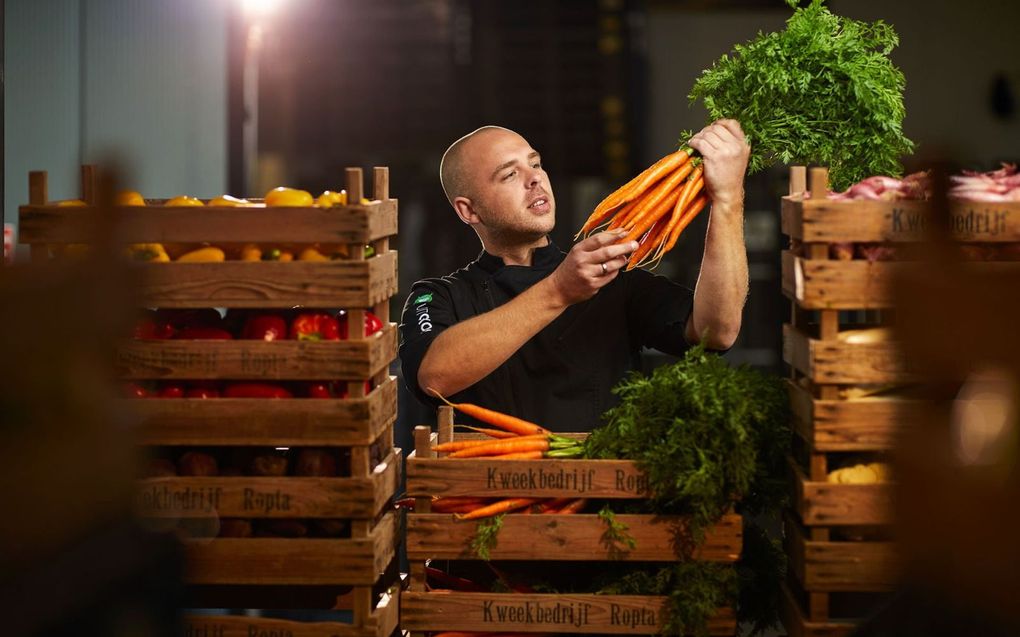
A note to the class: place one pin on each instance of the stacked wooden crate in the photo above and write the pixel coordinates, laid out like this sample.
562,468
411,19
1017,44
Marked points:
342,568
541,541
837,535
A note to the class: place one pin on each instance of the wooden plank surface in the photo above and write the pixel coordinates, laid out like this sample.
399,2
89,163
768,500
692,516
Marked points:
797,625
251,359
573,537
382,622
525,478
830,221
215,224
832,504
275,497
862,424
265,422
584,614
270,284
833,362
292,560
840,566
838,285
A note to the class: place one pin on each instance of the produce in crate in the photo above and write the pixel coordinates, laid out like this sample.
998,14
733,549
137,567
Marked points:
229,202
129,198
208,254
283,196
184,201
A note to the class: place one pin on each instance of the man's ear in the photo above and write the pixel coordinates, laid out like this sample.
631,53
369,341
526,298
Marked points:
466,210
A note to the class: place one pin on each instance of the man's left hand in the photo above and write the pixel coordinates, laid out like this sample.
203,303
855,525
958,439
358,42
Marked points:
725,151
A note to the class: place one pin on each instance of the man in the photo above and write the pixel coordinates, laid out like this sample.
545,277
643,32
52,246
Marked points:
530,331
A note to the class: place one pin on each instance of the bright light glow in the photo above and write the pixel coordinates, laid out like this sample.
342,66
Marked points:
260,8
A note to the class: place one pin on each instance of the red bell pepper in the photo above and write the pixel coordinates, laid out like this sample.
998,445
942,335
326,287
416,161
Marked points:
315,327
264,327
171,390
318,390
202,392
152,326
181,318
134,390
204,333
339,388
255,390
372,324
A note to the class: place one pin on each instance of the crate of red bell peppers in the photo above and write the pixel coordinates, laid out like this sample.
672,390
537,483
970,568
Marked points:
259,375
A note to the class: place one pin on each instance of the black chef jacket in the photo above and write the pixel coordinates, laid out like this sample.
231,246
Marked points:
561,378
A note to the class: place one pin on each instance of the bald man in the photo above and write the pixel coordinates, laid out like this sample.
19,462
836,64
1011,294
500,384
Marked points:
529,330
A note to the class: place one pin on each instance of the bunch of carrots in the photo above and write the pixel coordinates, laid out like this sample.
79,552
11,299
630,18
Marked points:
654,208
511,438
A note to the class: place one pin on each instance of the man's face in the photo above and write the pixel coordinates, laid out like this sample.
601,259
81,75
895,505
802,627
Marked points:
511,193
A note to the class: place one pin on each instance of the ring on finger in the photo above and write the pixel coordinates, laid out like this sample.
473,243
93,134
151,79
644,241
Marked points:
604,270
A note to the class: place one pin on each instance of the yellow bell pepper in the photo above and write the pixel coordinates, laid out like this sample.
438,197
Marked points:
148,252
311,254
208,254
251,252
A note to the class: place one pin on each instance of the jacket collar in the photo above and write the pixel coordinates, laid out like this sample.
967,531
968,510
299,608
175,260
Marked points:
544,258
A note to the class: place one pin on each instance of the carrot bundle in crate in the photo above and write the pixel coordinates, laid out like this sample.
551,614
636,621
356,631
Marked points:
850,386
269,429
547,517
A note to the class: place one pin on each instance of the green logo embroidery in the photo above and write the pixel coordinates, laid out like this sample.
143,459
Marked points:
424,298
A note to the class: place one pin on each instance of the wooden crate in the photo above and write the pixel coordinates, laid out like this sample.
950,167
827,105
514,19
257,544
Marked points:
822,366
541,538
354,359
355,282
836,566
357,568
515,612
262,422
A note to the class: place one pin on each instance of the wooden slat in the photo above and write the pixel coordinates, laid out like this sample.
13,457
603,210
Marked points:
290,560
524,478
862,424
272,284
573,537
275,497
266,422
798,626
831,362
249,359
382,623
840,566
837,285
832,504
494,612
883,221
215,224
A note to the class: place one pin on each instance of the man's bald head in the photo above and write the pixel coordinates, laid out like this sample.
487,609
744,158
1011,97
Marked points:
453,169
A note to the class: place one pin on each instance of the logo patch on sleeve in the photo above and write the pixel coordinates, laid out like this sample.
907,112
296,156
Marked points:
424,298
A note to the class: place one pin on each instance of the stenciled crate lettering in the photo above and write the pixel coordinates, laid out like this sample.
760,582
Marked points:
552,478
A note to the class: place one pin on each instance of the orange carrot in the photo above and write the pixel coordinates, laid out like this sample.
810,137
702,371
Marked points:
652,239
503,506
492,433
502,447
624,214
552,506
494,418
519,455
651,203
458,445
636,186
574,506
448,505
649,220
690,213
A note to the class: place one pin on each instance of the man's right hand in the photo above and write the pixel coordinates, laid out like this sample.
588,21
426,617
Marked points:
590,265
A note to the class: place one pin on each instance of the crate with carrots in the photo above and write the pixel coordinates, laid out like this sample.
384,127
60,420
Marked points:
496,510
267,424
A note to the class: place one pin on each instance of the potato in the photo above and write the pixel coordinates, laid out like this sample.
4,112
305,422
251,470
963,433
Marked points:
315,462
235,527
330,528
282,528
268,465
197,463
